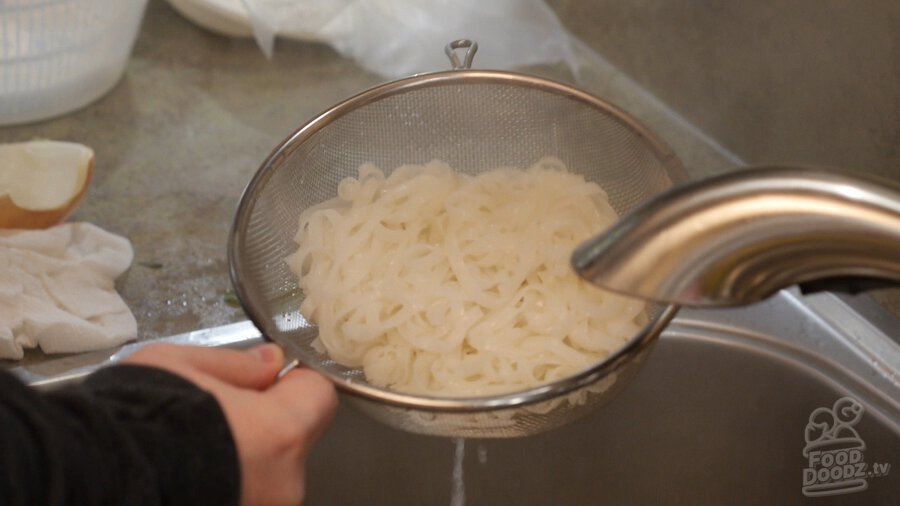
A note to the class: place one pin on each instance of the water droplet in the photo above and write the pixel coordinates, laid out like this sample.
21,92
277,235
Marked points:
458,492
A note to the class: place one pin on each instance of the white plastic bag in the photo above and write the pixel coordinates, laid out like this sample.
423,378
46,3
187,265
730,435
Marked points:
396,38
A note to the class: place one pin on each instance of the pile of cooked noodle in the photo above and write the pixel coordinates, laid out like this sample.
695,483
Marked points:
441,283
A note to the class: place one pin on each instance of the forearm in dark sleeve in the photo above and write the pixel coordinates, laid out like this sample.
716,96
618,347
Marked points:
127,435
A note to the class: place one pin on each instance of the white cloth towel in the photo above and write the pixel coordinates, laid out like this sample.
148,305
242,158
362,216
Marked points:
57,290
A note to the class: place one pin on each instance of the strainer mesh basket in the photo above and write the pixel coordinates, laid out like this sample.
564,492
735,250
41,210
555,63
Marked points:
475,121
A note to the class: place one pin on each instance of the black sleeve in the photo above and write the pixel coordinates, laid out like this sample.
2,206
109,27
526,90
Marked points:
127,435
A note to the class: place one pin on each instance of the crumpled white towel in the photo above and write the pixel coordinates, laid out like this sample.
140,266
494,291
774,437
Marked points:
57,290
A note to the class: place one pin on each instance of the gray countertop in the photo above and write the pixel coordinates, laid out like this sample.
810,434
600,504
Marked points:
196,113
176,141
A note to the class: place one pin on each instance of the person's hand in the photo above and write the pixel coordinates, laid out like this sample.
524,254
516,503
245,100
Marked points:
274,424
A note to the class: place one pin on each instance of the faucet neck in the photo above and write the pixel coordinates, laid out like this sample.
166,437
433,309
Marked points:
738,238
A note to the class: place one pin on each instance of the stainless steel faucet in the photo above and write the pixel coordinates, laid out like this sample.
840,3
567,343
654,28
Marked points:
738,238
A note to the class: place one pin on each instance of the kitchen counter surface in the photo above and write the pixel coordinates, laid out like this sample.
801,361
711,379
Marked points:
196,113
176,141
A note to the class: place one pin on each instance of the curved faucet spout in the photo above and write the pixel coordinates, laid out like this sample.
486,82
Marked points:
738,238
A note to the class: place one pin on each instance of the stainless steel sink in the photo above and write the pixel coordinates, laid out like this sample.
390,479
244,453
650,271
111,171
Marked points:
718,415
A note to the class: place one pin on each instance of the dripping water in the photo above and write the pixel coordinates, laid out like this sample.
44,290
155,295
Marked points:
458,489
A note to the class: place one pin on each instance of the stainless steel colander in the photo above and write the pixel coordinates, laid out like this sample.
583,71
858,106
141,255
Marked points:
474,120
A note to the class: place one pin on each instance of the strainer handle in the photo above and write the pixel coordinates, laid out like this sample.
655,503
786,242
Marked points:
471,48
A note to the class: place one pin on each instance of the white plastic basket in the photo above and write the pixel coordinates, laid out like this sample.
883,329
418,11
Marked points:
59,55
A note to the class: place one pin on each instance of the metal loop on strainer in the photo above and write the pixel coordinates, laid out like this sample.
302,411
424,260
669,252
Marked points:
471,48
474,121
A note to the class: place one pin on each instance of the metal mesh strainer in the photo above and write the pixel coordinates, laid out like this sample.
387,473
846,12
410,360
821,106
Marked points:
474,121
